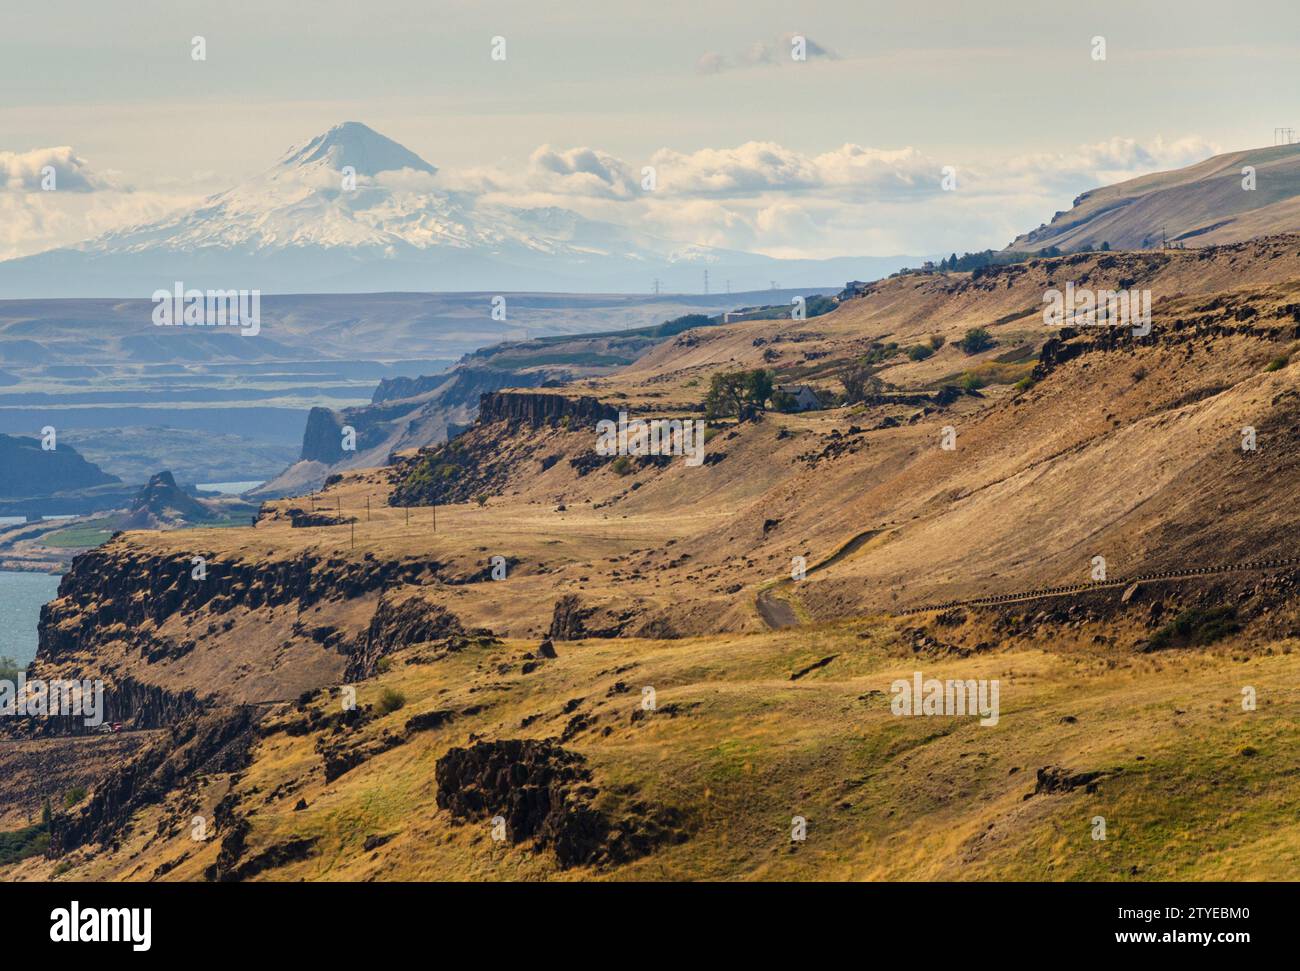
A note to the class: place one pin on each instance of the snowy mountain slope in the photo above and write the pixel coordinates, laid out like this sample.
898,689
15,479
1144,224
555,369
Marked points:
301,226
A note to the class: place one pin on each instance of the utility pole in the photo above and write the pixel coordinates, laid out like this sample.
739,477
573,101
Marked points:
367,509
656,286
1283,136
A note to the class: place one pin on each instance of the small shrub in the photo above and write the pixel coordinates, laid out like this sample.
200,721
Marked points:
1025,383
19,844
970,381
73,796
1278,363
936,341
919,352
390,700
1196,628
622,465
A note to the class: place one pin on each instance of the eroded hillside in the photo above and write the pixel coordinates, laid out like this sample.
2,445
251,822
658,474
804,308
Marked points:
623,637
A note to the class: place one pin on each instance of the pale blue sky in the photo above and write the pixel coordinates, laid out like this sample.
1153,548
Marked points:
979,86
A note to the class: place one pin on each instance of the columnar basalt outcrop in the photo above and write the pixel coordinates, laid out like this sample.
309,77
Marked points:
543,792
571,620
119,592
1208,322
537,410
398,624
217,742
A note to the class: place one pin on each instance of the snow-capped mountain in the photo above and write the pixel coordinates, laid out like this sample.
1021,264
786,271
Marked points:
351,210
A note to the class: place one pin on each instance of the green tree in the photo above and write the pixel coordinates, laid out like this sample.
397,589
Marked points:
731,391
977,339
758,387
859,382
726,392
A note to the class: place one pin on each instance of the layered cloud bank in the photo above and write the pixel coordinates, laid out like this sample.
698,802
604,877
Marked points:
759,196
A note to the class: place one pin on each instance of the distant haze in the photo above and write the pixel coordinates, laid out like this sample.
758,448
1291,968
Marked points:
838,155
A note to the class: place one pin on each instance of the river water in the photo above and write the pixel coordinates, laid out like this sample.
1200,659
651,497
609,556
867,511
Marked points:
21,597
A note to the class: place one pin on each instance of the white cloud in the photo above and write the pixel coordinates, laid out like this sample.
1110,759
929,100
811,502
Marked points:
31,222
1110,161
851,200
767,166
27,171
582,172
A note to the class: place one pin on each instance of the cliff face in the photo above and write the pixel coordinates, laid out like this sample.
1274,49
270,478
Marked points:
322,439
405,413
397,624
499,447
116,585
167,645
391,389
537,410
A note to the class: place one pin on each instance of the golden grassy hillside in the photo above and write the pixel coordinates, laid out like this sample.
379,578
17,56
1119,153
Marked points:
1191,786
772,695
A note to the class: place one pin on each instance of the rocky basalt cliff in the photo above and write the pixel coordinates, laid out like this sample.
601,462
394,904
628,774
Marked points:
396,625
119,597
537,410
1218,318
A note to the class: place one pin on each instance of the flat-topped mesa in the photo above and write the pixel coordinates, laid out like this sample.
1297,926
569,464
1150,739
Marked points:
535,409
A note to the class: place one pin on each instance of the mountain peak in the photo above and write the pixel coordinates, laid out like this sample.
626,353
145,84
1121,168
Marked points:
360,146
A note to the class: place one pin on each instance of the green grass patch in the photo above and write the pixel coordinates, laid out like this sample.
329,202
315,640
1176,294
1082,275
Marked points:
90,533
